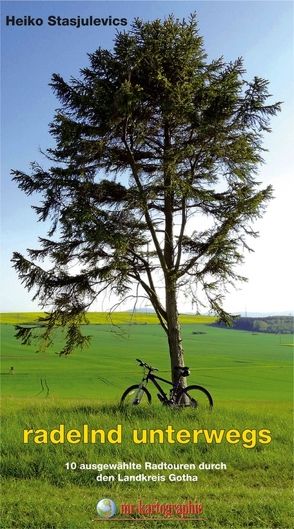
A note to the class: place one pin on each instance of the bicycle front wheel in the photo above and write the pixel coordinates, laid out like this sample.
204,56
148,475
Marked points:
195,397
135,396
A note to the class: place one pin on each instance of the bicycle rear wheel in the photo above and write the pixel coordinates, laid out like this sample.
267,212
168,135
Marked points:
195,397
135,396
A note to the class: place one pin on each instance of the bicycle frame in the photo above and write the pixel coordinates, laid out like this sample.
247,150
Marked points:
154,379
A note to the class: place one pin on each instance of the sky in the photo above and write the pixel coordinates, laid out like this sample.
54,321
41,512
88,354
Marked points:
259,31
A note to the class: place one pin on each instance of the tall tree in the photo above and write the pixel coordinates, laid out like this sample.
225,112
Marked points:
186,137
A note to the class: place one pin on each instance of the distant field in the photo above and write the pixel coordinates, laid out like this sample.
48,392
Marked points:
233,365
102,318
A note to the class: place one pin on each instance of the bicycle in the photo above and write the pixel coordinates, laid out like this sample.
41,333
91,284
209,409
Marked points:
192,396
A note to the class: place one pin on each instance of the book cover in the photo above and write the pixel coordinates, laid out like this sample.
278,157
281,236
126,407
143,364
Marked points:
145,172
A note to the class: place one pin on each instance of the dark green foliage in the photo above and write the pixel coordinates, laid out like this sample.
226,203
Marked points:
185,138
269,324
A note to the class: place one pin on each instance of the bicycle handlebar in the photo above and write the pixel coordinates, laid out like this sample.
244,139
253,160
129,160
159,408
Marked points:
143,364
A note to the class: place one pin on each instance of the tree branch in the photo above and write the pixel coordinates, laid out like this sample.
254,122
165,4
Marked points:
142,196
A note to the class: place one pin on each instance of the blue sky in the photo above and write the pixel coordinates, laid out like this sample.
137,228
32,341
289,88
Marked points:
261,32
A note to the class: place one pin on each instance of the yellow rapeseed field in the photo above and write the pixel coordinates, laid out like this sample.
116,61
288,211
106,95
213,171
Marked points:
13,318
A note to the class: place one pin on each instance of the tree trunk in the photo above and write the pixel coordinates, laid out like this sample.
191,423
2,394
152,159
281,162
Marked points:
174,335
172,317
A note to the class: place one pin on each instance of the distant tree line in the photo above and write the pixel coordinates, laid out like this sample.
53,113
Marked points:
269,324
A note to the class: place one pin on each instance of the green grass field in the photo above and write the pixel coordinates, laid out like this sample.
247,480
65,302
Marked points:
249,376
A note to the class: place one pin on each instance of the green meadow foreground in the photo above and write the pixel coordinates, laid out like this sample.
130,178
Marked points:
250,378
